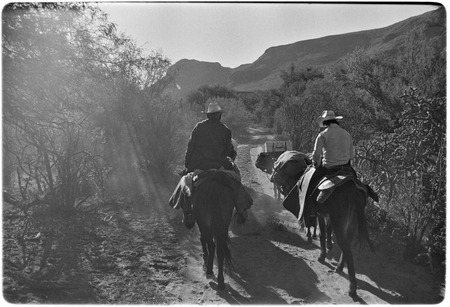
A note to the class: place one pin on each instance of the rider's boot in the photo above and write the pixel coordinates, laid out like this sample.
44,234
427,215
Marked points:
240,217
188,215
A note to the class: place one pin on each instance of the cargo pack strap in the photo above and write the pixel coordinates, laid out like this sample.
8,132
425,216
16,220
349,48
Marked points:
273,146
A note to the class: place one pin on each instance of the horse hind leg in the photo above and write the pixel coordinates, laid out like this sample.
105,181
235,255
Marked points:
329,235
276,192
323,249
341,264
223,253
220,264
347,257
211,249
205,250
308,235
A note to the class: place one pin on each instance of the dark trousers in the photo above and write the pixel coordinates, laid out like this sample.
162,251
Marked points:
319,173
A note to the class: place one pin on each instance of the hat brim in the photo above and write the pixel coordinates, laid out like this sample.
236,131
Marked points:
320,119
206,112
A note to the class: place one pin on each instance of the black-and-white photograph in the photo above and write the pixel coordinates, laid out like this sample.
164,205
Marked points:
224,153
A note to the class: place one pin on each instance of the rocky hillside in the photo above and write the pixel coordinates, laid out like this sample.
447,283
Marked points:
264,72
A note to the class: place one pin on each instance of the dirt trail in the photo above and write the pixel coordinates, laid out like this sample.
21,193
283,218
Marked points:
276,265
144,255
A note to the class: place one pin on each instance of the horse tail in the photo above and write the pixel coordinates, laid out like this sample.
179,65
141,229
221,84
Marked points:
363,232
224,198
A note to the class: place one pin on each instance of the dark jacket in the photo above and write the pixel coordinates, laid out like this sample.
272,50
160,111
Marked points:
209,146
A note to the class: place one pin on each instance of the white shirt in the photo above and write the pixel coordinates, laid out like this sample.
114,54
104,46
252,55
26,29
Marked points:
334,146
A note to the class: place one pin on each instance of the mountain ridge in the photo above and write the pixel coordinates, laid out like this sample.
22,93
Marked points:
264,72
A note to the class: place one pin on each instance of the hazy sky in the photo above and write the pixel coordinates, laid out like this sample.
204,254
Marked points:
238,33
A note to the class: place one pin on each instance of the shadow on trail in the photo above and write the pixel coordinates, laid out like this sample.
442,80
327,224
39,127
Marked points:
388,277
363,263
268,260
266,271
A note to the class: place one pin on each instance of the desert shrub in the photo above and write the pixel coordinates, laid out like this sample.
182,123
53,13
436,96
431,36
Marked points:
269,102
296,118
407,168
401,150
72,88
160,134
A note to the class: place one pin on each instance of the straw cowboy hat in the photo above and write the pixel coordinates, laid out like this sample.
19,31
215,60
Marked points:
213,107
327,115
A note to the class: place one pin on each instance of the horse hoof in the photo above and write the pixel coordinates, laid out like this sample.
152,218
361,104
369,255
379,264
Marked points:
221,287
330,246
209,275
322,258
314,237
352,292
309,240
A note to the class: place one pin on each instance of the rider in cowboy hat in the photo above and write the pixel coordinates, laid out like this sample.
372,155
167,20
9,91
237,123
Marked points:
333,147
210,147
210,143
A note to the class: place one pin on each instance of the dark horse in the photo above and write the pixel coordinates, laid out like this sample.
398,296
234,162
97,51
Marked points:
213,209
264,162
310,220
345,209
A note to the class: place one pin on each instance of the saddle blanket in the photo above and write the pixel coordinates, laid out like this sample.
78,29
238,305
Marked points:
186,186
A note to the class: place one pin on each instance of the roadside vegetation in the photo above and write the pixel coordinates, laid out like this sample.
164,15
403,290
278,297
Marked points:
394,106
84,130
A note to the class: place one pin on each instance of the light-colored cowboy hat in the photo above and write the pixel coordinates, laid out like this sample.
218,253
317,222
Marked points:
327,115
213,107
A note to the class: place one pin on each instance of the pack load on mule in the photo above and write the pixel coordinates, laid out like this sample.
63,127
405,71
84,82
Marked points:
272,150
266,159
288,168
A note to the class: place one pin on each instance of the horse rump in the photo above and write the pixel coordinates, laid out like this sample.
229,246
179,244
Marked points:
213,208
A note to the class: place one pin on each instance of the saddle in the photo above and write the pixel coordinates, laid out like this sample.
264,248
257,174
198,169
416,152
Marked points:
298,198
188,183
337,178
226,177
